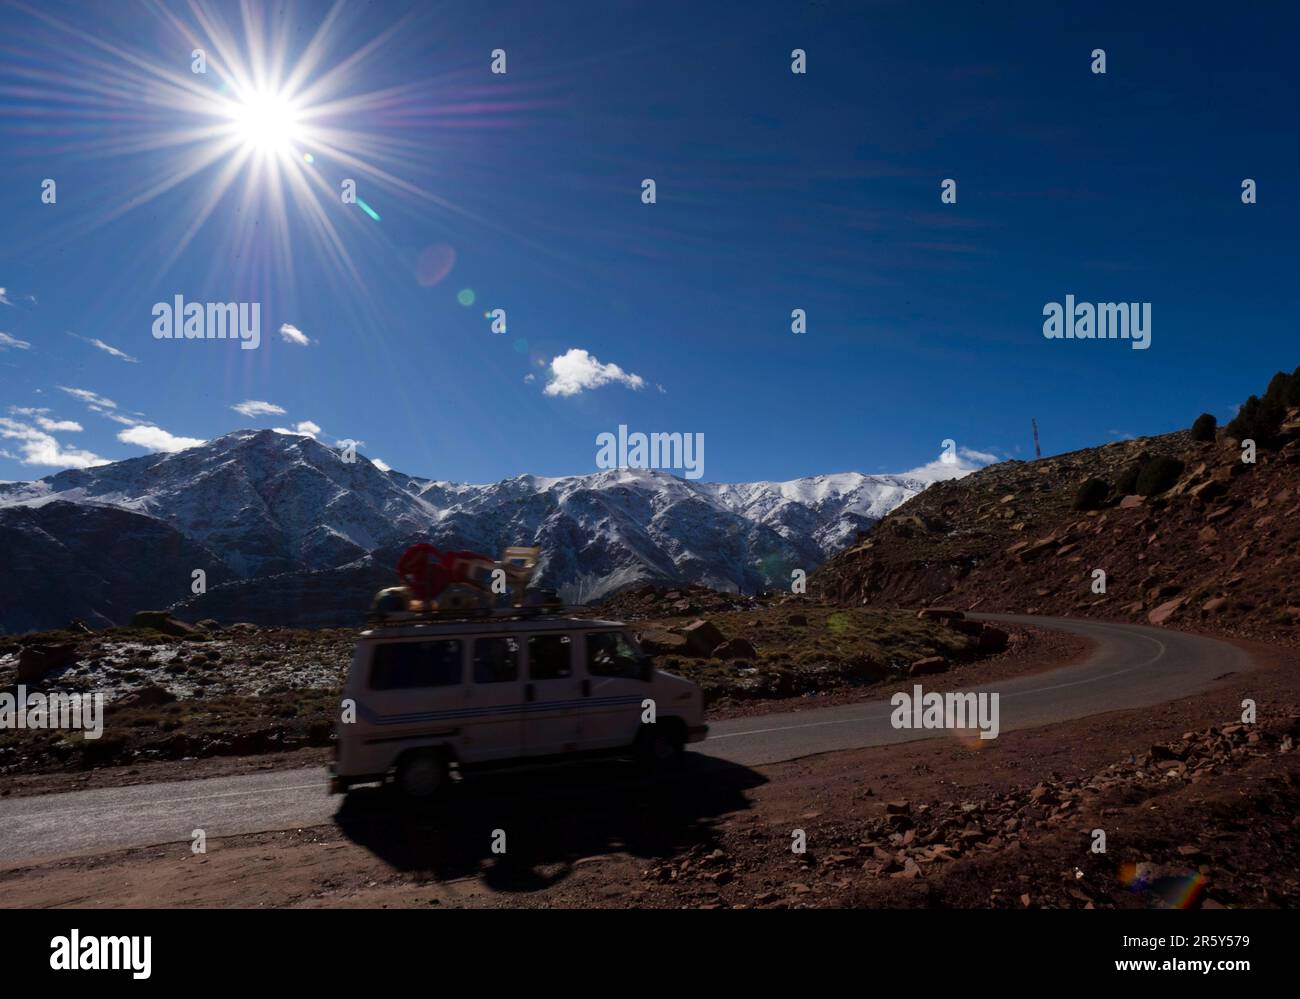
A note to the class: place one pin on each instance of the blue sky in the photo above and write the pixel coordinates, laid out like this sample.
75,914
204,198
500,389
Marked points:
775,191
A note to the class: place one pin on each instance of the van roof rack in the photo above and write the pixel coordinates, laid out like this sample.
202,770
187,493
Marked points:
468,614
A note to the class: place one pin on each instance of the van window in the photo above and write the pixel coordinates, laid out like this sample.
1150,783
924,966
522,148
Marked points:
548,657
496,660
609,653
407,665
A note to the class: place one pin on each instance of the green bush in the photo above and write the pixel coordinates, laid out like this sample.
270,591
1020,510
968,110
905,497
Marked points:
1204,427
1158,474
1092,493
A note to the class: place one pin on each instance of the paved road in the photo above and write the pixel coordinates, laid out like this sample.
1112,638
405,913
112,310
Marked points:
1130,667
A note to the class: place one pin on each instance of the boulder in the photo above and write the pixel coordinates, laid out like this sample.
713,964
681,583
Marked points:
735,648
164,622
1165,611
658,642
928,666
702,637
34,661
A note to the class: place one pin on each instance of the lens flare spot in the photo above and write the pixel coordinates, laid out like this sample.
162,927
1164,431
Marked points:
434,264
465,296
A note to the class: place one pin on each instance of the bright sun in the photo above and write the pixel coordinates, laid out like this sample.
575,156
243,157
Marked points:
265,122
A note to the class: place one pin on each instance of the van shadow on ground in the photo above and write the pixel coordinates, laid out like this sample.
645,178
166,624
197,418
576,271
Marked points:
552,818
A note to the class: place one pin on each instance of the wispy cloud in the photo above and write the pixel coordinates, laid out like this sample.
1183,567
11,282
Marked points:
291,334
107,348
255,407
153,438
576,371
89,397
57,426
4,297
41,448
8,342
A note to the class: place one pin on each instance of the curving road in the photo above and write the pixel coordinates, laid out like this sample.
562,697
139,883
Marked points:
1130,667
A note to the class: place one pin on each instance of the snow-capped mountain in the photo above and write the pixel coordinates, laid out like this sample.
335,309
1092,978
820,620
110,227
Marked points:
287,531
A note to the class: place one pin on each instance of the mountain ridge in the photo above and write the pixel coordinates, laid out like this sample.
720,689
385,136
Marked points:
255,506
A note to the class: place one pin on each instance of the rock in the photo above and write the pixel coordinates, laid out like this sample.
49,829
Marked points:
34,661
210,624
79,627
1214,604
1130,502
1165,611
1207,534
702,637
928,666
902,807
164,622
658,642
939,613
735,648
149,696
993,640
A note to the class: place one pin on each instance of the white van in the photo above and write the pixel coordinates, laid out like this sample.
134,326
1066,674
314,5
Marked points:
504,689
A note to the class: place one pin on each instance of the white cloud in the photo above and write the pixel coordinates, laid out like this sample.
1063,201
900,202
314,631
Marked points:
254,407
89,397
39,448
54,426
7,342
28,410
575,371
380,464
4,297
304,428
291,334
105,347
962,463
153,438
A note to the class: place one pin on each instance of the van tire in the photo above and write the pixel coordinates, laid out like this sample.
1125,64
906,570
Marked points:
421,775
661,746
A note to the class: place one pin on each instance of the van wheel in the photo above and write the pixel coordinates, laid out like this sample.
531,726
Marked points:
660,746
421,775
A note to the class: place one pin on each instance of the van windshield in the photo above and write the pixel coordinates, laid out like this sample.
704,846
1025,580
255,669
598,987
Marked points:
613,653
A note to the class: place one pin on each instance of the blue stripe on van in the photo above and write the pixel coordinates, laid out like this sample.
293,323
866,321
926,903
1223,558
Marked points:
524,708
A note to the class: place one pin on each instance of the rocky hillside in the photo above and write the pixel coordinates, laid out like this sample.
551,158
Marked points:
1213,544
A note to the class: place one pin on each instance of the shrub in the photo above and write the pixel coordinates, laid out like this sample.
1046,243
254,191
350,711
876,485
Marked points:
1091,494
1127,483
1204,427
1258,419
1158,474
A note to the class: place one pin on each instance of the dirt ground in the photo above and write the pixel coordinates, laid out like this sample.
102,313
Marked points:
937,823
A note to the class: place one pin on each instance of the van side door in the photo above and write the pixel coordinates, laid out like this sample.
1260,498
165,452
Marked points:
552,695
494,700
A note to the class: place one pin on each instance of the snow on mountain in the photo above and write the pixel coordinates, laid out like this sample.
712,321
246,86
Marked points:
258,504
